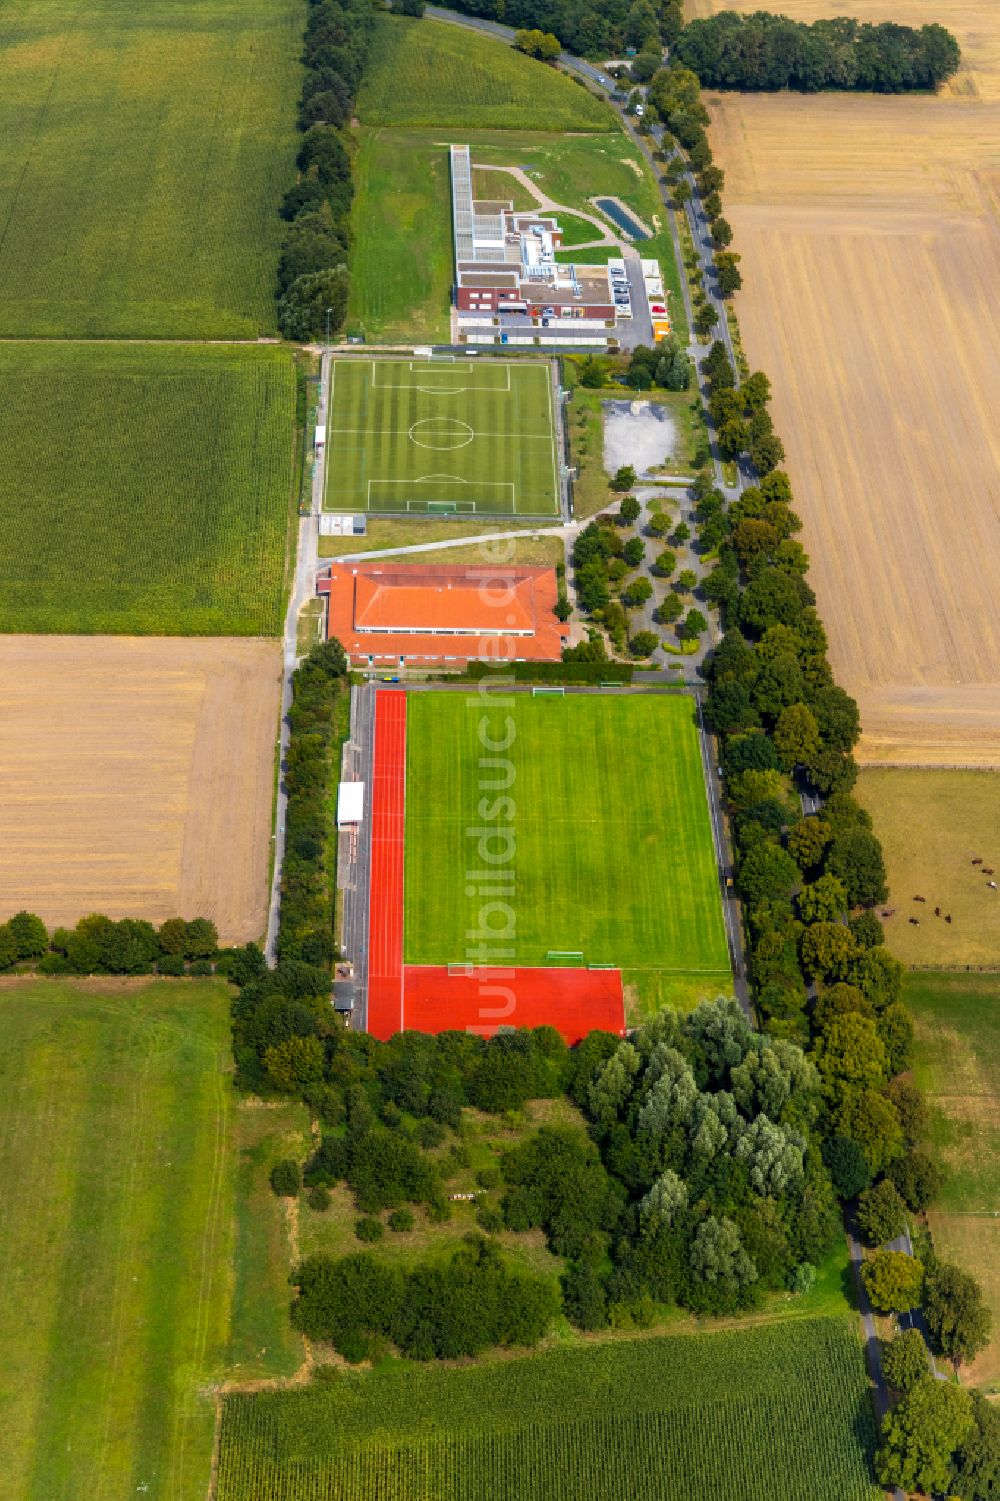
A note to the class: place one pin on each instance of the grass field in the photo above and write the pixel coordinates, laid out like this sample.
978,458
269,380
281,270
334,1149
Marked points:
870,234
430,73
958,1064
144,489
932,825
779,1413
614,853
136,778
402,197
144,154
117,1236
410,436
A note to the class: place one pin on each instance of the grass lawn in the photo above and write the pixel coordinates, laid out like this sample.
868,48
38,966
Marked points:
614,851
144,489
661,1419
407,531
494,183
932,824
431,73
468,437
401,199
118,1238
143,154
958,1064
402,196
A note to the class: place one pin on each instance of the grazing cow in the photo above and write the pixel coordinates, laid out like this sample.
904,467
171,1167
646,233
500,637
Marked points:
992,885
978,860
948,918
920,899
915,921
987,870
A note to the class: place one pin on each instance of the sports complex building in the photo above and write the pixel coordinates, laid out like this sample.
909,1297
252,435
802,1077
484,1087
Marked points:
511,288
396,614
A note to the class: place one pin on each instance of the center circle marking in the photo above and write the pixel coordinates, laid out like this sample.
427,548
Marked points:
441,432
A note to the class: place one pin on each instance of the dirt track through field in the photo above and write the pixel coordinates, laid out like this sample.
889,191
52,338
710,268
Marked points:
136,778
870,234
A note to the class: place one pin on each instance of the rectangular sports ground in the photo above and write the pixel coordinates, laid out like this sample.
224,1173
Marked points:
437,437
560,839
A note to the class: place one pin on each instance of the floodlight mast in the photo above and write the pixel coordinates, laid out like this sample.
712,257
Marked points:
329,313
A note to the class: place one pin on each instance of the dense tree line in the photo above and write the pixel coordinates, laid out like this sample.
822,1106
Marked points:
701,1181
434,1310
101,945
765,51
816,961
590,28
305,930
312,271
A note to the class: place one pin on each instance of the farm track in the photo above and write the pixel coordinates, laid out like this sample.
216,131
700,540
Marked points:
870,234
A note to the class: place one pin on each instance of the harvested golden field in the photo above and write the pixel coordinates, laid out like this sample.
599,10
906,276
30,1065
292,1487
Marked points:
870,234
136,778
932,825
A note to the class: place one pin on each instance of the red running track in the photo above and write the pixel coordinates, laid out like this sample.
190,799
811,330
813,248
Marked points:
385,896
574,1001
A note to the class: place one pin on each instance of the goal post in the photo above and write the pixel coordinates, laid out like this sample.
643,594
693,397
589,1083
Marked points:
462,968
548,692
570,958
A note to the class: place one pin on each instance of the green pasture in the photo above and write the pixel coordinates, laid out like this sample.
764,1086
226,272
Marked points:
145,489
957,1017
612,844
144,151
144,1254
432,73
773,1413
430,438
403,197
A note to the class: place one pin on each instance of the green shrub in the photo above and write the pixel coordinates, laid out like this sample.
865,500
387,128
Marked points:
369,1228
286,1178
319,1199
401,1220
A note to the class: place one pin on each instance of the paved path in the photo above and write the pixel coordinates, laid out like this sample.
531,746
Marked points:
549,205
303,589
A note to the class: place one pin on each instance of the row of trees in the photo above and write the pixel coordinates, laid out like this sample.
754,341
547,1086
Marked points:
766,51
816,957
305,930
590,28
312,271
100,945
434,1310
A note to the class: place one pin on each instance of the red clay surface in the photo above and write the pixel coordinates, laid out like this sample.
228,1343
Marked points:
385,922
443,613
574,1001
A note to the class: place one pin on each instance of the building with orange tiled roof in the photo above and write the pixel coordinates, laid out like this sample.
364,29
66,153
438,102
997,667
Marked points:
391,614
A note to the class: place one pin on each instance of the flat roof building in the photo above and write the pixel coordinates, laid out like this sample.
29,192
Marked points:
394,613
350,803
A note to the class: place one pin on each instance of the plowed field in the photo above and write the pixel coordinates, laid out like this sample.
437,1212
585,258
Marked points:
136,778
870,234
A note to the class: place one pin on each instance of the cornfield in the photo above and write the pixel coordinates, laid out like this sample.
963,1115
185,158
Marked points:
144,489
776,1413
145,151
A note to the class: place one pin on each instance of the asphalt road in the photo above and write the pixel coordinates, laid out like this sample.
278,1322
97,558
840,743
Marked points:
303,589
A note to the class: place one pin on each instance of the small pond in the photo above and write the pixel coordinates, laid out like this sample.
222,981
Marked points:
621,216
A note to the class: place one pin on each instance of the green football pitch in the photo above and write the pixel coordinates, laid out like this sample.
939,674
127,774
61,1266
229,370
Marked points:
596,813
434,437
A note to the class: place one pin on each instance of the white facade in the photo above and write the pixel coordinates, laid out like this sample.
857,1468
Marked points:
350,803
